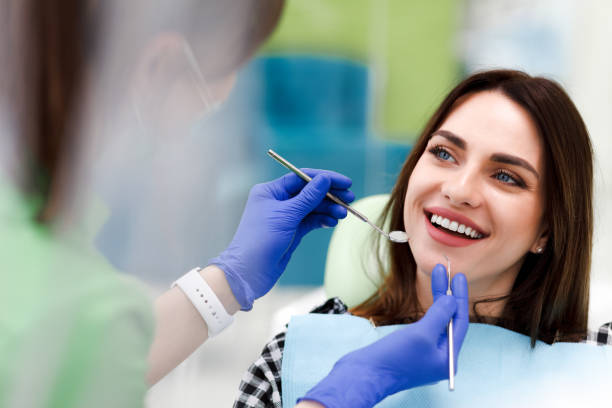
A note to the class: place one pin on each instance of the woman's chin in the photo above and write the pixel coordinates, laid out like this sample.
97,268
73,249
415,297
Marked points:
426,256
425,264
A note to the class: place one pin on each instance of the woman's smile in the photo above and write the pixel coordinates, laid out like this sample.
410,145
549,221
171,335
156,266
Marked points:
451,228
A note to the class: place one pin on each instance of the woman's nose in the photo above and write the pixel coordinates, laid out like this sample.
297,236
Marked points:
462,189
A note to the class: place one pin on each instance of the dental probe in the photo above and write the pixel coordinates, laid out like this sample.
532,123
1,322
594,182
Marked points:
451,342
399,237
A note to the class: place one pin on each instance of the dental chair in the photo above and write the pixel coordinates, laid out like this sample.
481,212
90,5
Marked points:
351,271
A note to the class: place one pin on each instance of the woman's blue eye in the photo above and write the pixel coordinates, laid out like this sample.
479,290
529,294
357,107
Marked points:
444,155
508,179
504,177
441,153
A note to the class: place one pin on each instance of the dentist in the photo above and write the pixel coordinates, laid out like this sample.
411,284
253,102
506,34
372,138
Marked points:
73,331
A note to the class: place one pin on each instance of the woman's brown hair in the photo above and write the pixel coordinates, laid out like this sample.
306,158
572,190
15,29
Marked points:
550,296
45,52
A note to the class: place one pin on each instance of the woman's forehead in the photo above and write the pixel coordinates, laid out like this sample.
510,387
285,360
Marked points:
490,121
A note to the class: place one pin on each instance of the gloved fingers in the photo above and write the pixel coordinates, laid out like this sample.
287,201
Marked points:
339,181
332,209
439,281
345,195
311,195
317,220
311,222
291,183
439,314
461,319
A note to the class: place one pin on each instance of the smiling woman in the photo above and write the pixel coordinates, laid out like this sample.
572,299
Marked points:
484,180
501,182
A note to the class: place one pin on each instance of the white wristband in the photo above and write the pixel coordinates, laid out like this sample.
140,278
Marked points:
205,301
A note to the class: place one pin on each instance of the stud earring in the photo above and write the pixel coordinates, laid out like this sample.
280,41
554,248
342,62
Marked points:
539,250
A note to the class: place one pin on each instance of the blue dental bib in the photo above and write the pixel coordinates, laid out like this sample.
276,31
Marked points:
497,367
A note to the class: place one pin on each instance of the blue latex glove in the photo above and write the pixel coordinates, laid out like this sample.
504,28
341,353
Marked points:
409,357
276,217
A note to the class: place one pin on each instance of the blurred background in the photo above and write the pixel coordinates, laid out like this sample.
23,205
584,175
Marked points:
344,85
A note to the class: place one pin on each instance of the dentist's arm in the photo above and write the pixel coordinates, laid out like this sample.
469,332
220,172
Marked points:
179,328
410,357
276,217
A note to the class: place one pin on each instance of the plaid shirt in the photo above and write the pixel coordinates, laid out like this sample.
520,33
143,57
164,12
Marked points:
261,384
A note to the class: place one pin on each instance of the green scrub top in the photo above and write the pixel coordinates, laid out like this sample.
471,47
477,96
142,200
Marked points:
73,331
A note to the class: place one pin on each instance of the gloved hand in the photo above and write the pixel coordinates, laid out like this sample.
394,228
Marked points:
277,215
409,357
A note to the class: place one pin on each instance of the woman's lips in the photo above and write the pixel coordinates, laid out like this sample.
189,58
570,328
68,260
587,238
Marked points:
447,238
457,217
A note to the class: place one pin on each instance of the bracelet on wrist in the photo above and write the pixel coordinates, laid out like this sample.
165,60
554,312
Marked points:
205,301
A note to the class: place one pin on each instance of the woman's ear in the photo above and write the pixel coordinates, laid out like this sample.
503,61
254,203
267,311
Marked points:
540,243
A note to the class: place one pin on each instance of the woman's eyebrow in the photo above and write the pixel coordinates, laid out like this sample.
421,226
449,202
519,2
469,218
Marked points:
451,137
496,157
513,160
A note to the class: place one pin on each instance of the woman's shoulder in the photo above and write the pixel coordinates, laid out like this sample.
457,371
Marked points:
274,348
261,384
331,306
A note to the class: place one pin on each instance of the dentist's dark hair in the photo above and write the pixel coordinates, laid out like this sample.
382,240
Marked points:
550,297
48,47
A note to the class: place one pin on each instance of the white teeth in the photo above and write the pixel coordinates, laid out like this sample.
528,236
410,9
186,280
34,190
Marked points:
455,226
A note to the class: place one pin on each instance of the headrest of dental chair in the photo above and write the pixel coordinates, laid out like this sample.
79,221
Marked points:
351,271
